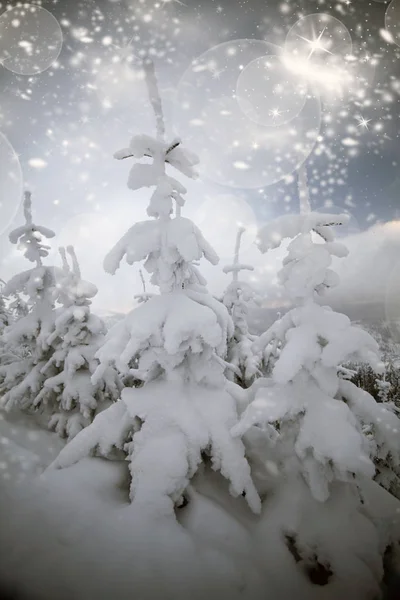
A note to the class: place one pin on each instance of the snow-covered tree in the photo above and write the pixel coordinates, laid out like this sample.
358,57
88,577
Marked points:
5,316
383,388
5,320
27,338
387,465
68,393
318,434
18,306
175,343
237,297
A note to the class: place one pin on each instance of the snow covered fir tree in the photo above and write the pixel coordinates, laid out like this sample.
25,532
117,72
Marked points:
50,351
4,311
320,434
175,344
5,320
237,297
22,380
68,393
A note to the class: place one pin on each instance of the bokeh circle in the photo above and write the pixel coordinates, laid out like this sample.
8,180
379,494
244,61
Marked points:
114,78
30,39
318,47
229,212
268,93
319,38
392,20
235,151
10,184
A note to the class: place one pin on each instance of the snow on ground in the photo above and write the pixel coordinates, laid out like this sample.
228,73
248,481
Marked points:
72,533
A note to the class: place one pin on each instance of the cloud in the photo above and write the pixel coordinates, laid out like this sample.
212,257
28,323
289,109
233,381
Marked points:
370,275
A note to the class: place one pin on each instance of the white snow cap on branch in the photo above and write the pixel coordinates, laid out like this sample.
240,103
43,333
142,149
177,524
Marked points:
306,266
161,153
29,235
168,247
273,233
172,333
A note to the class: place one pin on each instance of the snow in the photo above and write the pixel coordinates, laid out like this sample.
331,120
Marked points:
157,335
322,433
275,231
51,351
91,516
228,465
181,241
82,538
170,426
29,235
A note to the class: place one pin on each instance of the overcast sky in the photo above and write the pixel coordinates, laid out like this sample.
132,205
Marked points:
66,122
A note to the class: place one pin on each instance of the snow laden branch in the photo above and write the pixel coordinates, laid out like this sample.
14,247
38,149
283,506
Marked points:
29,235
273,233
168,248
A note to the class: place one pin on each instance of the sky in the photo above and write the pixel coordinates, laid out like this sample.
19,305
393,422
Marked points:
254,88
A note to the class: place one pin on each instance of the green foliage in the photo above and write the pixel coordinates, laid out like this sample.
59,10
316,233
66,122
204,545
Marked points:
366,379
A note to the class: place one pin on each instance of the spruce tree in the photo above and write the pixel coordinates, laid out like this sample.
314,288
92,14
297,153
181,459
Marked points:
5,316
27,337
175,344
5,320
321,434
237,298
68,395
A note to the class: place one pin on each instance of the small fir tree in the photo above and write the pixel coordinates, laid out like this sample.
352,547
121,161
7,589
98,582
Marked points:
27,338
237,297
5,320
5,316
68,393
